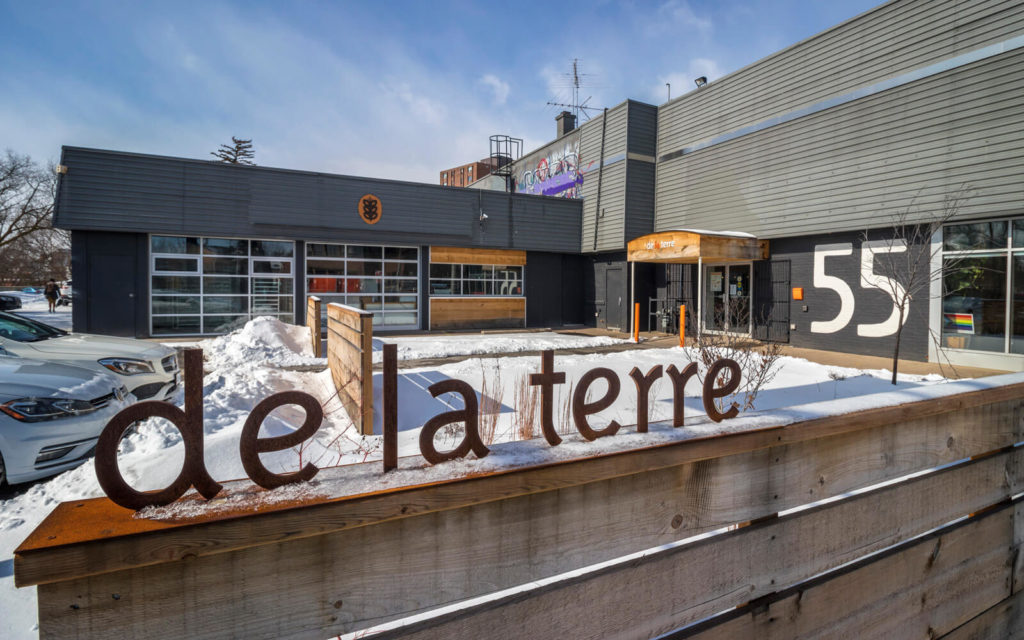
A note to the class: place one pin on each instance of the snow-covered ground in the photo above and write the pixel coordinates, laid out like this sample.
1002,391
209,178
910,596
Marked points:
246,366
34,305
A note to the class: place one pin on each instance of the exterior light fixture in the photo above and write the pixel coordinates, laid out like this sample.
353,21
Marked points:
701,81
61,169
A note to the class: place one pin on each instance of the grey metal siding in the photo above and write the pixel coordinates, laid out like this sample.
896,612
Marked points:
605,230
114,191
854,166
554,289
885,41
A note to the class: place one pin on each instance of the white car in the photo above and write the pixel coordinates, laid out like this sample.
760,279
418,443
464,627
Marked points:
51,416
149,370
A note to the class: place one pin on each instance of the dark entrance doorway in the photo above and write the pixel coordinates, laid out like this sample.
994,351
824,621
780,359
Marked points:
111,294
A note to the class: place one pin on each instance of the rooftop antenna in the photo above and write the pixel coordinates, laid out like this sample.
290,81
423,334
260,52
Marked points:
574,81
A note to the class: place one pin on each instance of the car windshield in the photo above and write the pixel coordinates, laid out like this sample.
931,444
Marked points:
22,329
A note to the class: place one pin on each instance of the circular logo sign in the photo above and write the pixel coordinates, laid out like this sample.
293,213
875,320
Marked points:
370,209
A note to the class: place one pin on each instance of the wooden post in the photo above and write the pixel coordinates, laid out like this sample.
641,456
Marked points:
682,325
636,322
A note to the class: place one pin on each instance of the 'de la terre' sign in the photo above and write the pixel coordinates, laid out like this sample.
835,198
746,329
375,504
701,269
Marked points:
190,422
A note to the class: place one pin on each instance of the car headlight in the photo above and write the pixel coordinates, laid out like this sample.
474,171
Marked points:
127,366
40,409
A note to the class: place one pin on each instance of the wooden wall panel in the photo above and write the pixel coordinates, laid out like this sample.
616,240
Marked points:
477,313
349,357
471,255
314,311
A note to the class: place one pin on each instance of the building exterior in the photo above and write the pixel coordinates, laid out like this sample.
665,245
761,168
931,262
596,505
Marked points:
466,174
766,202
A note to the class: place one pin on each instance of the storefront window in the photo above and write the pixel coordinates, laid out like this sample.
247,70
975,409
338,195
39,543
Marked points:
476,280
974,304
222,289
384,280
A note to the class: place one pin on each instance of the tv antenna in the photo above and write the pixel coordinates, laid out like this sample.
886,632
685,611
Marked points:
574,81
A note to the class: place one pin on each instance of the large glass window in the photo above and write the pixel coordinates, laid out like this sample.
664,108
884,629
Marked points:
983,286
476,280
215,285
384,280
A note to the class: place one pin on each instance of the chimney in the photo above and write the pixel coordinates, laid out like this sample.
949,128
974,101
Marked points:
566,123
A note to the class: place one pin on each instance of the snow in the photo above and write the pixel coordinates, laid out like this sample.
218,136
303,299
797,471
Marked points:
260,359
34,306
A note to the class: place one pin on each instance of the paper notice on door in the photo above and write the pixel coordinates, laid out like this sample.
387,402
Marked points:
716,282
732,289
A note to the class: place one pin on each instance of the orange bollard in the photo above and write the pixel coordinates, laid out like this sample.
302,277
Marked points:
636,322
682,325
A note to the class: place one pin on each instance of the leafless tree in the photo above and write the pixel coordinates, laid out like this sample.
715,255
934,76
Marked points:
905,263
238,152
26,198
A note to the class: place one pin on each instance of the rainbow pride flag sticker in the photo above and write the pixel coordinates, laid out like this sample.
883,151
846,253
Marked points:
960,322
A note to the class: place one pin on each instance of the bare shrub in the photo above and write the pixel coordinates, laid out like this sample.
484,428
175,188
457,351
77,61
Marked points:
758,361
565,424
527,400
491,394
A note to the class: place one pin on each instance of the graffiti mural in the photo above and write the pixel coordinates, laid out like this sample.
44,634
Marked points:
557,172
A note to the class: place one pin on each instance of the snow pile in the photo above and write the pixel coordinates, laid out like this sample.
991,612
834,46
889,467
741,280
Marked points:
420,347
261,341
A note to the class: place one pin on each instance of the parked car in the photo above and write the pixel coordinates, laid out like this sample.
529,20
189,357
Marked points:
149,370
31,290
9,302
51,416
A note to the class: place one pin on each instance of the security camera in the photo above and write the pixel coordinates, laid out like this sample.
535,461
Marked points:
483,216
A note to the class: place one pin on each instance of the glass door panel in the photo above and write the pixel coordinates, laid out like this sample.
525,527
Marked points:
739,298
716,299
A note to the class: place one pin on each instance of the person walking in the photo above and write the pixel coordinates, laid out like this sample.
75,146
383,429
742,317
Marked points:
52,293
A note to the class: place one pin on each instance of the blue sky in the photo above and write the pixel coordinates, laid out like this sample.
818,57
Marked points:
384,89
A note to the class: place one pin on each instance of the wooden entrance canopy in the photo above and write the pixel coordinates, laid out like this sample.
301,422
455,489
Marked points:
692,246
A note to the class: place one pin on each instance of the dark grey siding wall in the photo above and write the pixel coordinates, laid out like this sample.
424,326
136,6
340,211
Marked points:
554,289
643,129
870,305
640,198
113,191
853,165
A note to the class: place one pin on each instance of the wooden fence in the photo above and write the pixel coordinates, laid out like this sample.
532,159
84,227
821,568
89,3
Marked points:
314,320
349,356
513,554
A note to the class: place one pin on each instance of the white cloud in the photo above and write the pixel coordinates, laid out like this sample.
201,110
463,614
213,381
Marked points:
677,16
498,86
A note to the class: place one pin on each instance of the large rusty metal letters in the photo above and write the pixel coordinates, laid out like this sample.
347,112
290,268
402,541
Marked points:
643,390
546,380
390,422
251,445
581,408
679,379
189,422
711,391
470,414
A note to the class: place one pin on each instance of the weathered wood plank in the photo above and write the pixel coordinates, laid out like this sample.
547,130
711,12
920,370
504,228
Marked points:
412,565
669,588
314,316
472,255
1004,621
861,449
920,590
467,313
349,357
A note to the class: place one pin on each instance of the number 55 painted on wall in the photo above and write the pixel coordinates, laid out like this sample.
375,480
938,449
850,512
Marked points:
868,280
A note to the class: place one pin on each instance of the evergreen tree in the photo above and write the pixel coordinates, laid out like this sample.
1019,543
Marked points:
239,152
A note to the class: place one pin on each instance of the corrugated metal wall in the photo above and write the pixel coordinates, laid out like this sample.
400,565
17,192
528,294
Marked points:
854,165
114,191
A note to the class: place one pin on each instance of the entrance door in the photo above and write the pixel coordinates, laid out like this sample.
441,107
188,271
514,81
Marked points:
727,298
111,295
